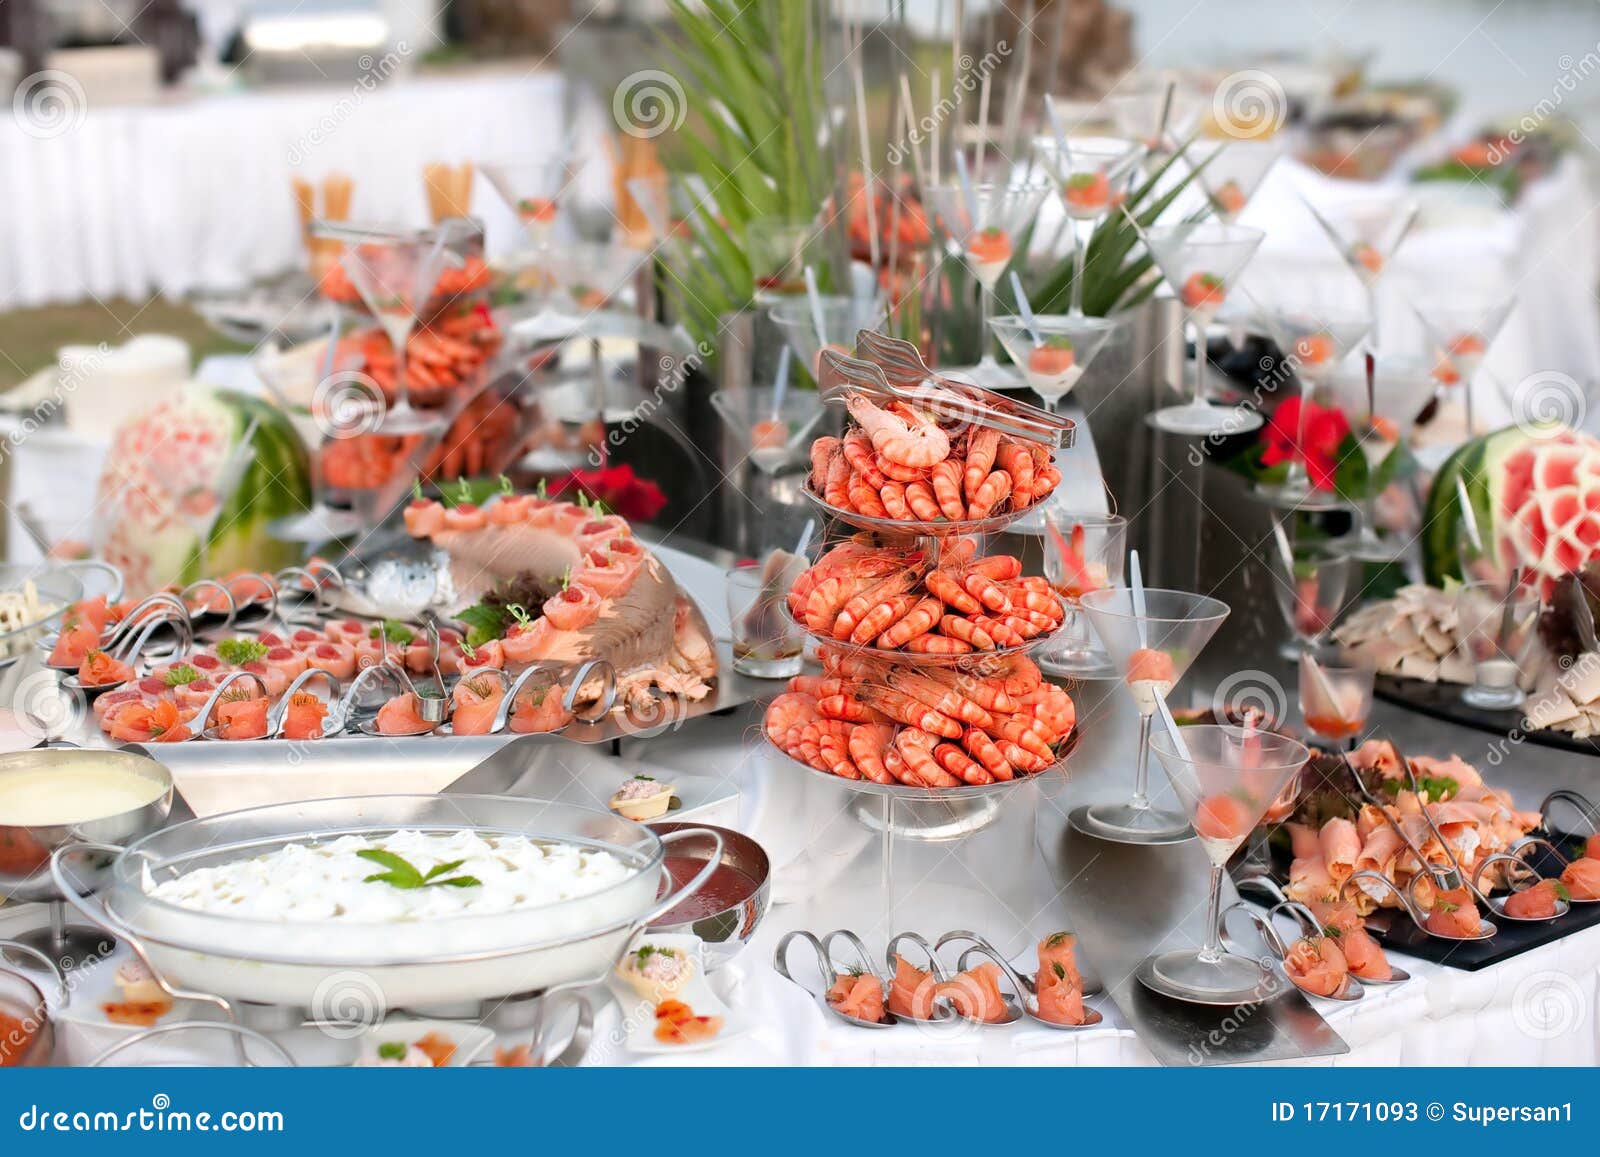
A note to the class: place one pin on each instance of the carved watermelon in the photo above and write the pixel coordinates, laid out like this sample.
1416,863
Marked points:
164,464
1536,495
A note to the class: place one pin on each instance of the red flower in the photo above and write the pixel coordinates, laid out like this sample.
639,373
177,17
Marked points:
620,489
1317,444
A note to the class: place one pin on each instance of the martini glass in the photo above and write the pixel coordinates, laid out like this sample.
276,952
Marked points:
1157,112
1382,405
533,190
1367,234
773,426
1309,582
1152,647
1233,172
981,224
1201,261
593,273
840,319
1462,327
1055,350
395,273
1227,778
1084,553
1091,175
1314,342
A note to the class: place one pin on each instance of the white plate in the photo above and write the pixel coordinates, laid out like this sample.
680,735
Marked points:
470,1039
638,1013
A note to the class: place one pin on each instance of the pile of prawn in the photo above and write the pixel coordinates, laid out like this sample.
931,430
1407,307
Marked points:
896,598
866,718
900,463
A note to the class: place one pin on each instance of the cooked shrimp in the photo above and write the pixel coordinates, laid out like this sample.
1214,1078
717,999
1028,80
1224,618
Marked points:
921,619
894,501
916,748
890,612
917,443
858,451
931,644
994,490
946,479
978,744
868,743
1014,459
822,452
919,496
981,447
899,706
945,584
894,472
943,699
967,631
864,498
959,763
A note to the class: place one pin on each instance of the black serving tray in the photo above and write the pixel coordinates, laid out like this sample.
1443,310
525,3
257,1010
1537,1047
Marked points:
1394,929
1443,701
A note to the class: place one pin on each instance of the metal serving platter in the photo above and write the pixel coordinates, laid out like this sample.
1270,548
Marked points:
1443,701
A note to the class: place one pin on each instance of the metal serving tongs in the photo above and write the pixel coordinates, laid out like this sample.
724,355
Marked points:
1497,905
1302,916
904,369
1025,984
1446,878
831,971
432,709
841,376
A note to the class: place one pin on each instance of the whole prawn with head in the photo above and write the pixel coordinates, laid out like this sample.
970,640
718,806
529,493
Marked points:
902,435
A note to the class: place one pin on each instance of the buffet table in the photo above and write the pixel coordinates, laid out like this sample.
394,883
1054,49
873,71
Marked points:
194,192
1540,1008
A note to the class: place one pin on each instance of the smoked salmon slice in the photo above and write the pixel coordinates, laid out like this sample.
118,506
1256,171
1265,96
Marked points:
241,718
73,645
912,990
476,702
975,994
1316,965
1535,903
148,723
99,669
303,718
858,995
1454,913
677,1024
1059,986
401,716
539,710
1582,877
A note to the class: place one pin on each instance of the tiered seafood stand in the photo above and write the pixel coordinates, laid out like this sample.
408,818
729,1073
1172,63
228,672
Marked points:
701,645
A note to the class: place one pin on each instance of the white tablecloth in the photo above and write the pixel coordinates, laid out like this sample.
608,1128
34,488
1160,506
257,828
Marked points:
195,193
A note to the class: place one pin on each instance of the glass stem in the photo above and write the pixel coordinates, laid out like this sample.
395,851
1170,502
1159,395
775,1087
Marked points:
1211,951
1466,401
1141,778
402,392
1369,503
1199,363
1299,471
985,306
1080,257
